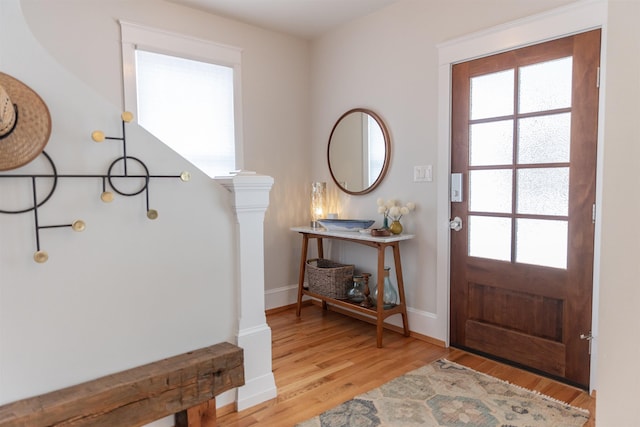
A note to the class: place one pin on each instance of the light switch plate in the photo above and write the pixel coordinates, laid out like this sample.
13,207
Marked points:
423,173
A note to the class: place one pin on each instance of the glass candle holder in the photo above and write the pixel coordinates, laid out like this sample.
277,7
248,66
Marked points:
318,202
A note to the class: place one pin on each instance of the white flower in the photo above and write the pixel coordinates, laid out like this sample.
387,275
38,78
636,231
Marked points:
393,209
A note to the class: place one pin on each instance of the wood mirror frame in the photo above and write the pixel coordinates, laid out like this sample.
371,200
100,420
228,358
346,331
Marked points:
348,151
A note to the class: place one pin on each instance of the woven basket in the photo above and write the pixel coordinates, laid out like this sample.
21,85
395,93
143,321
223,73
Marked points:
329,278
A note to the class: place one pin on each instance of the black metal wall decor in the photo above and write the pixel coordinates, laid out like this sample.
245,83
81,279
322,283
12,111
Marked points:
108,183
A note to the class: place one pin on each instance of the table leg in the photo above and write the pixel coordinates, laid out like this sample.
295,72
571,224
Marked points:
320,248
380,296
398,265
303,265
321,255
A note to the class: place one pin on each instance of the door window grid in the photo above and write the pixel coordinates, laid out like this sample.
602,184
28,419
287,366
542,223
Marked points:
514,163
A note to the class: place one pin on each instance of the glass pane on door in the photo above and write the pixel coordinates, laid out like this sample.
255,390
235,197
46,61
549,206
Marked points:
544,139
490,190
490,237
491,143
545,85
541,242
543,191
492,95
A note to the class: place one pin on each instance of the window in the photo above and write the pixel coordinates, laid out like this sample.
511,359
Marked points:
185,92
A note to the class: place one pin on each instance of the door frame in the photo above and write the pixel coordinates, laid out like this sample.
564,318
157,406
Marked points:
557,23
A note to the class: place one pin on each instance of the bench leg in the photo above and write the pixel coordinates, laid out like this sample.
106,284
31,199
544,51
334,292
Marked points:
203,415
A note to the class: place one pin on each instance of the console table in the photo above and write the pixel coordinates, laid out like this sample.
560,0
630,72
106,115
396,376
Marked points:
380,243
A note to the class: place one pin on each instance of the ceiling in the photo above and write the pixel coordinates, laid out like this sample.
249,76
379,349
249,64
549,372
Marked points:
302,18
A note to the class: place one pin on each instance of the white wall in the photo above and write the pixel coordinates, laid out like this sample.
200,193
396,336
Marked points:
618,348
128,290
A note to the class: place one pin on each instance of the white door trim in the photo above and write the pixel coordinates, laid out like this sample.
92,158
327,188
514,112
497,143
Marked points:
574,18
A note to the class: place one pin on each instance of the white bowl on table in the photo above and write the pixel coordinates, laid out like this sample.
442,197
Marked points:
346,224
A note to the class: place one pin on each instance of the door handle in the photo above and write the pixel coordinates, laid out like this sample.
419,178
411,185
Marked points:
589,337
456,224
586,336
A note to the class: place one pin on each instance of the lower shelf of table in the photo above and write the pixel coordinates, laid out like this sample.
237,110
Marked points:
373,311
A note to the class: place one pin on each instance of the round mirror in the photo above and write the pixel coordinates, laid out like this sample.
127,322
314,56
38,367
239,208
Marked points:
358,152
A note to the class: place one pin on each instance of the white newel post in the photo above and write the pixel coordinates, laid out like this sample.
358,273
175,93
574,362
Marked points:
250,199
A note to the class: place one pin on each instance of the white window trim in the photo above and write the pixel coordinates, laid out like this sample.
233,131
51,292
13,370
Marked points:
574,18
137,36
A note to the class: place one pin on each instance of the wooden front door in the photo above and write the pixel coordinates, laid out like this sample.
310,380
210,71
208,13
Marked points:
524,131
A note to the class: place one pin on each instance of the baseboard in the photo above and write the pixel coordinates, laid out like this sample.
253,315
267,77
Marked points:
255,391
429,339
280,297
305,302
259,380
228,398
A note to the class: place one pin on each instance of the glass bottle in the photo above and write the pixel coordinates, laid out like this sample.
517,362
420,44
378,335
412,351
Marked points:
385,222
389,296
356,293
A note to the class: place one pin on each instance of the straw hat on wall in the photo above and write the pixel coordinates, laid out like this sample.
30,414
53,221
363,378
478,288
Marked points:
25,123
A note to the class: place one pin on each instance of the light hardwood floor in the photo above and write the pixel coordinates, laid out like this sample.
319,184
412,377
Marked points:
325,358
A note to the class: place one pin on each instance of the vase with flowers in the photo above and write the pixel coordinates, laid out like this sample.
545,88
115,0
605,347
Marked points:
393,210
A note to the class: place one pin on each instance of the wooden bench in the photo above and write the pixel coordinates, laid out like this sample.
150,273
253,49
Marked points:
184,385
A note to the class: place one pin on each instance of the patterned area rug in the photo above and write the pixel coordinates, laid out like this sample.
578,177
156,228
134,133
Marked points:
450,395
